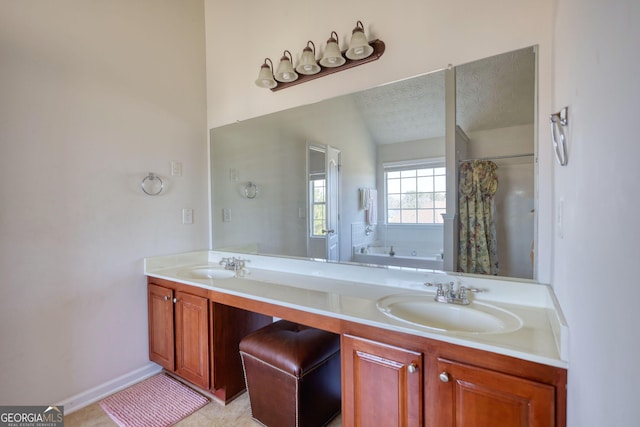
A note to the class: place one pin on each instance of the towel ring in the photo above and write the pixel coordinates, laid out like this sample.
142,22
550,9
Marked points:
250,190
150,180
559,121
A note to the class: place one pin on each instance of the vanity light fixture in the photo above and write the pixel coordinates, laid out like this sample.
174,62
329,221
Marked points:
359,47
332,56
265,77
285,72
308,64
333,60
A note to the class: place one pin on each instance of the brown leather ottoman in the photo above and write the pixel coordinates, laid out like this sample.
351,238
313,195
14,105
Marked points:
292,374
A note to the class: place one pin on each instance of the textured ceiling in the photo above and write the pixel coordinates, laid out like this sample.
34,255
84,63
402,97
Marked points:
491,93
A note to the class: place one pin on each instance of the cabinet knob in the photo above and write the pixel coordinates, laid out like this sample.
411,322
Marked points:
166,298
175,300
412,368
444,377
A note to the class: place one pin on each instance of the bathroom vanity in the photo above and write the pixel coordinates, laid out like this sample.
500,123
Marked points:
189,335
406,359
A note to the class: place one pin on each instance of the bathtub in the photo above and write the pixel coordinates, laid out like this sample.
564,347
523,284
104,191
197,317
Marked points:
402,258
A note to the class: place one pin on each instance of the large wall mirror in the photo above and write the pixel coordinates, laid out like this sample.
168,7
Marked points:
372,177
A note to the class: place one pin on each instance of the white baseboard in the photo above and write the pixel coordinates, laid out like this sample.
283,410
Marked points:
95,394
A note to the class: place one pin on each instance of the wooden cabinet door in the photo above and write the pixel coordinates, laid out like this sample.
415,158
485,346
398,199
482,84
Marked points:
192,338
382,384
161,339
468,396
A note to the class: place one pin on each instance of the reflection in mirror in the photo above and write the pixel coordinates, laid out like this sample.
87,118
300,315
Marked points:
317,202
495,107
323,202
391,155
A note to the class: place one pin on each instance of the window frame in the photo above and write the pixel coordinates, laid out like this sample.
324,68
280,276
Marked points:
312,203
416,164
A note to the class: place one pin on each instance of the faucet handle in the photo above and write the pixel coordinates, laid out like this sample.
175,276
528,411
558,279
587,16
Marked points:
451,289
439,290
462,293
440,294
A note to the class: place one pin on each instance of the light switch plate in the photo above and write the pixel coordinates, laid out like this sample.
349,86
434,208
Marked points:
176,168
187,216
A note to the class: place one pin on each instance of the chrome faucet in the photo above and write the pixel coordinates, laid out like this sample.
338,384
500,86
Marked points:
447,293
233,264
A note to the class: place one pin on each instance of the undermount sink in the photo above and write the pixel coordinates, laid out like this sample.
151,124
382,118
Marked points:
422,310
207,272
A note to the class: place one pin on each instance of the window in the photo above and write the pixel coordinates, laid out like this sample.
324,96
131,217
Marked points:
415,194
318,196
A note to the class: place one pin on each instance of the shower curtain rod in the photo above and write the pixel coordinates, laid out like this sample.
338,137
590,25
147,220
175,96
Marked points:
511,156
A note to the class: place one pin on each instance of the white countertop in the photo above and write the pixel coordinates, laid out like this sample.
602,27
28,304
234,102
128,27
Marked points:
350,292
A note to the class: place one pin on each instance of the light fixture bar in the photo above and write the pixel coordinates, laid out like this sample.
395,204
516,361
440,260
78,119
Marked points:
378,49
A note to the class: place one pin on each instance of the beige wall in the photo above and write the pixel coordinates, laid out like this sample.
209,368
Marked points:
596,251
94,95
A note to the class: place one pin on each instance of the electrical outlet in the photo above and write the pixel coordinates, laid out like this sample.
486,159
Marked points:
226,215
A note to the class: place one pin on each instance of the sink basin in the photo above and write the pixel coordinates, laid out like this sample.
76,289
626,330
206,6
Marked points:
207,272
422,310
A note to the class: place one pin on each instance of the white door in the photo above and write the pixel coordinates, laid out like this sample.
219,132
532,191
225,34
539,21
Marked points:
333,204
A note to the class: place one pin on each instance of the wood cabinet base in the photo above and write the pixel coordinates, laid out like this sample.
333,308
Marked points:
388,378
197,339
382,384
474,397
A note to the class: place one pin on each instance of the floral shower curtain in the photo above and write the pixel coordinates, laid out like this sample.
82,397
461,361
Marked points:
478,249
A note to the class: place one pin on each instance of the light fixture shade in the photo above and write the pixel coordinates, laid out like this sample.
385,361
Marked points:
285,72
308,64
359,48
332,56
265,77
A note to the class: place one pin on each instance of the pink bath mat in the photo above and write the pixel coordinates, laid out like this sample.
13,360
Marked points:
159,401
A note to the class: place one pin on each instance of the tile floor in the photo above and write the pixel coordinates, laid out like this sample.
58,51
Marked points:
236,414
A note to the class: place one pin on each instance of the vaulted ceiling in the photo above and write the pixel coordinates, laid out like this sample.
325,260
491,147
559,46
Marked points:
491,93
